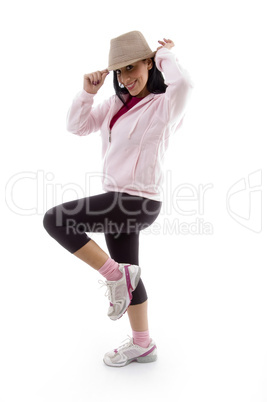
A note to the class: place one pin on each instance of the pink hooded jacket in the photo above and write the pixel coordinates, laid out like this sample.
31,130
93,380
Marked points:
133,151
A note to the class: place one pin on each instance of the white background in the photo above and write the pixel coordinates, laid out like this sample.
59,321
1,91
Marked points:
207,291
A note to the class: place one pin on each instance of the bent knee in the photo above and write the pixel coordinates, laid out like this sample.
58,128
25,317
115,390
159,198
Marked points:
49,220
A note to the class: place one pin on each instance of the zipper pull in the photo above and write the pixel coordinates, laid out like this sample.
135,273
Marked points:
109,137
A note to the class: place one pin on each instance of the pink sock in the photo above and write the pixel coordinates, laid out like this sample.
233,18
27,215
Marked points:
141,338
110,270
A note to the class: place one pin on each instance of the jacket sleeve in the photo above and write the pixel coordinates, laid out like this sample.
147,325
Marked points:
82,118
179,84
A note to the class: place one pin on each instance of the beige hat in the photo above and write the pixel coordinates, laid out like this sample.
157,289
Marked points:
127,49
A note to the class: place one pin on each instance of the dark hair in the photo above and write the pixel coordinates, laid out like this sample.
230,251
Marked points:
155,83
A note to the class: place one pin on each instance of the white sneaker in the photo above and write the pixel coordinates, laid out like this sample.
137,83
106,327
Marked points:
120,292
129,352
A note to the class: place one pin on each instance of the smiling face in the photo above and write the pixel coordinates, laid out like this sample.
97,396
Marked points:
134,77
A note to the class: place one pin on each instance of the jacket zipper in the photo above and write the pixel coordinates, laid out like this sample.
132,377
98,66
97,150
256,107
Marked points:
105,160
109,141
109,133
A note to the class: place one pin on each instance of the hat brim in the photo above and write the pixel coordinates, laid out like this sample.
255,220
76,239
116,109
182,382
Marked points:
125,63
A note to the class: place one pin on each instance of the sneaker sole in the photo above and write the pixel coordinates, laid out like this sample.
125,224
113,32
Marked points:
146,359
136,280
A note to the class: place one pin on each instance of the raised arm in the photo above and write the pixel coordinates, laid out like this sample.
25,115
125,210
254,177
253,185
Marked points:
178,80
82,118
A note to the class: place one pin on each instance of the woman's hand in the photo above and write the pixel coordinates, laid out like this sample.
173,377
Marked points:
168,43
93,82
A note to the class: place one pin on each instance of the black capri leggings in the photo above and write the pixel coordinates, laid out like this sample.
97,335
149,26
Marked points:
119,216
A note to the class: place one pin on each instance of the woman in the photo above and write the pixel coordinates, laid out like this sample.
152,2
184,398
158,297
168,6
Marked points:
135,126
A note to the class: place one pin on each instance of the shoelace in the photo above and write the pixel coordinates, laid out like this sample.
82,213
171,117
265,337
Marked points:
126,342
109,290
